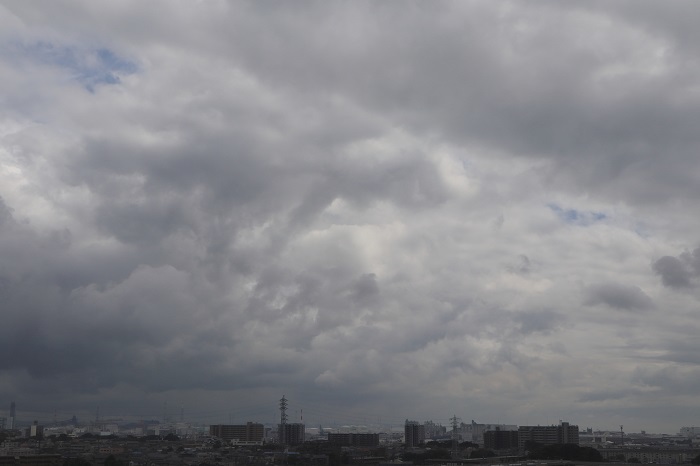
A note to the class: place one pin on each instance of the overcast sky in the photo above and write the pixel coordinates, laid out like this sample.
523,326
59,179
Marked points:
382,210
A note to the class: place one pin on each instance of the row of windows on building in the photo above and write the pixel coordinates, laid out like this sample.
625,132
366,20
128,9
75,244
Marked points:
506,439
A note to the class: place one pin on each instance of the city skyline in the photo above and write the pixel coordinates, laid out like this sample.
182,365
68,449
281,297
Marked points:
359,421
385,210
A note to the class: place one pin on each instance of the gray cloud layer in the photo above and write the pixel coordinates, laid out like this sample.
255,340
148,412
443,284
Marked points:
679,272
629,298
401,209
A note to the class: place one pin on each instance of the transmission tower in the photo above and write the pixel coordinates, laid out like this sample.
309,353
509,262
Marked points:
455,438
283,419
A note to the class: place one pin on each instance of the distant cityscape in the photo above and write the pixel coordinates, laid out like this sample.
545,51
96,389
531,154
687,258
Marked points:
171,442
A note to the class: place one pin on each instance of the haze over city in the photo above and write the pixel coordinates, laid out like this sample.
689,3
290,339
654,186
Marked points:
380,210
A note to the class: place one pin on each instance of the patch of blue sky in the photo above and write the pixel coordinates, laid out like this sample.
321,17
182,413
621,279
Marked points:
90,67
642,230
577,217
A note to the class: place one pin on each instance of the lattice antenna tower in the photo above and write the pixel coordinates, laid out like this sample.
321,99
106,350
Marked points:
455,438
283,418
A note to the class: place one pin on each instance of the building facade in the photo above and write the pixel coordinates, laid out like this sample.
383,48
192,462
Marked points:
414,434
547,435
474,431
434,431
501,439
250,432
35,430
292,434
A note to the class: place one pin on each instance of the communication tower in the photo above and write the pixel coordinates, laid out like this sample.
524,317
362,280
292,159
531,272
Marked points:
455,437
283,419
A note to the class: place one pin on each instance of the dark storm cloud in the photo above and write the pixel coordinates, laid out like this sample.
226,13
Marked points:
673,272
678,272
625,297
91,332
